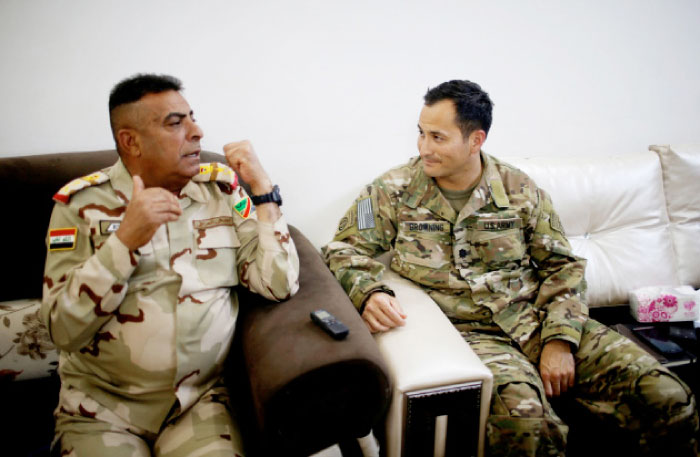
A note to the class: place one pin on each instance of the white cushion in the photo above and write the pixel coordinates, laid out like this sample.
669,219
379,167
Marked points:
681,176
614,214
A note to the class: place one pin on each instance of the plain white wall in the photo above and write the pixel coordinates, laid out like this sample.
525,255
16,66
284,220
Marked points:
329,92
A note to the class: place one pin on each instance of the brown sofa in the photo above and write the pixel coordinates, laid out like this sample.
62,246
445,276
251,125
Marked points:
300,390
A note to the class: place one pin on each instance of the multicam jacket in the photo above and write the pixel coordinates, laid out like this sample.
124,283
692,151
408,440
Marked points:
502,260
139,330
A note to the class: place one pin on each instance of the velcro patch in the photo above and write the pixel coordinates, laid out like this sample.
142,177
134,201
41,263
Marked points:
426,226
499,224
213,222
555,223
365,214
62,239
244,207
108,227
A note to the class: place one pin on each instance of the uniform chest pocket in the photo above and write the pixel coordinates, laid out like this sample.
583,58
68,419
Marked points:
498,248
427,244
215,254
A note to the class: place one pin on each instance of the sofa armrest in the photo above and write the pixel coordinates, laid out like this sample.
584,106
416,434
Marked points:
26,351
435,373
308,390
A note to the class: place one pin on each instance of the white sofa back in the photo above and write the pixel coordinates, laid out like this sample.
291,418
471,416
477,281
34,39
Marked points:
634,217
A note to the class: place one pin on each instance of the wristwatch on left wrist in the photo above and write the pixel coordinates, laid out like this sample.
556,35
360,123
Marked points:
270,197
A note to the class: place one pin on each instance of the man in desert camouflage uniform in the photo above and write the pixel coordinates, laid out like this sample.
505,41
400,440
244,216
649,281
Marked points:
137,291
487,246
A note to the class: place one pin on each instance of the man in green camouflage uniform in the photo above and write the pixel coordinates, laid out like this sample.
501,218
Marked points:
137,290
487,246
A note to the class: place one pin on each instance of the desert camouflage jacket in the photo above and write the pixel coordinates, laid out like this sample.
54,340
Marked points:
139,330
503,259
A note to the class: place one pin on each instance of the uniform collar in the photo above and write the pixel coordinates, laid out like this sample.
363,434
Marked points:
490,188
123,183
121,180
193,190
423,191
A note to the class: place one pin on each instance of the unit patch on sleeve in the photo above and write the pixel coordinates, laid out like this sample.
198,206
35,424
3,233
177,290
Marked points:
62,239
244,207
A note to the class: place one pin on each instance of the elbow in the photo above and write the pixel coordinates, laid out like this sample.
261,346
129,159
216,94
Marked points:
283,293
66,342
65,339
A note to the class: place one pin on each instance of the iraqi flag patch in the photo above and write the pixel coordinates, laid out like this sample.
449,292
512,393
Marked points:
62,239
244,207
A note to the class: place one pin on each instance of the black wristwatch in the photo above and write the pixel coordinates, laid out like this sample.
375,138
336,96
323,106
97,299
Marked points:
273,197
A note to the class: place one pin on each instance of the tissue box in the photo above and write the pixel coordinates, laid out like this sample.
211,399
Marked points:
665,304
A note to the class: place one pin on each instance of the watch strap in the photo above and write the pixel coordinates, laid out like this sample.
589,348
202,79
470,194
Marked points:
270,197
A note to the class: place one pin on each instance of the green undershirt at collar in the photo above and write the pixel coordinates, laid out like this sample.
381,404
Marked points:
457,198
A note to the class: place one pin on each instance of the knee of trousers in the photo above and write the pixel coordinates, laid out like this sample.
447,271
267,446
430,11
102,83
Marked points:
517,399
664,392
667,397
520,425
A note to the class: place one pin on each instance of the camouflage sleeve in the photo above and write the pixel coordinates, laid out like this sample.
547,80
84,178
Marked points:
82,285
561,275
366,230
267,261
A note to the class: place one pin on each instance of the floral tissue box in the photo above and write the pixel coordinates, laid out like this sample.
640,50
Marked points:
665,304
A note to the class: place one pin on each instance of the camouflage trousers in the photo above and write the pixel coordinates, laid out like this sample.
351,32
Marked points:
616,380
84,428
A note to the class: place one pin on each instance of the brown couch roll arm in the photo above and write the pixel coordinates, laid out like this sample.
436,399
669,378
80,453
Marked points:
308,390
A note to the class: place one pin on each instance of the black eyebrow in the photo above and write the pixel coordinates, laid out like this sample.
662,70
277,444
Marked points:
179,116
432,132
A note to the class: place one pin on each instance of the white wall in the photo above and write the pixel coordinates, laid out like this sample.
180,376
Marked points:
329,92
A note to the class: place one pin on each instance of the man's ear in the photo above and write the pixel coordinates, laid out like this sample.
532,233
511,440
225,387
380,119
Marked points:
476,140
128,141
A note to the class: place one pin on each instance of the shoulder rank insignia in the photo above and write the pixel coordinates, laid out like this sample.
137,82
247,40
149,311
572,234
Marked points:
217,172
62,239
65,193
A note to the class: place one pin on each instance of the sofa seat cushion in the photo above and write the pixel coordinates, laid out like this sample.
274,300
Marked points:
26,352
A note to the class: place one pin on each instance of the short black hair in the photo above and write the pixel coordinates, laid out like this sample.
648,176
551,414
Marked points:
135,87
473,105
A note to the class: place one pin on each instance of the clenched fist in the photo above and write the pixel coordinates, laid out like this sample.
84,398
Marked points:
242,158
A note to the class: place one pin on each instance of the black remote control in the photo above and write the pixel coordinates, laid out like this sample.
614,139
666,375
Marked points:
330,324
